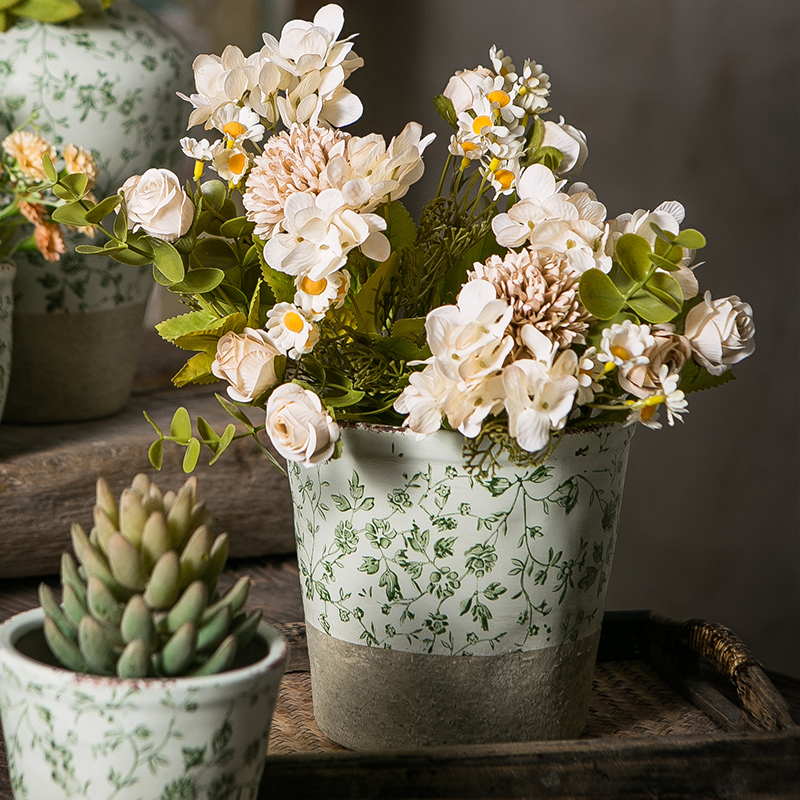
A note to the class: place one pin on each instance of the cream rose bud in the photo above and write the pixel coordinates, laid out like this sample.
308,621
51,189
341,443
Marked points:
247,362
156,203
299,427
720,332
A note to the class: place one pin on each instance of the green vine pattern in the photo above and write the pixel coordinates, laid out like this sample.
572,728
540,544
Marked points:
439,561
131,757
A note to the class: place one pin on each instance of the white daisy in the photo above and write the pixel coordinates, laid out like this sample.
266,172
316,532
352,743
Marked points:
315,298
238,123
291,330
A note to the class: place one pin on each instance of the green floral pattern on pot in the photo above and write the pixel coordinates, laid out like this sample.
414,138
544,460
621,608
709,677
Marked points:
7,272
71,736
400,548
106,82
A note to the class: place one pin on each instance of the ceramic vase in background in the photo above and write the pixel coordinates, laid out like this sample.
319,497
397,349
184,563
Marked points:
106,82
70,735
7,272
449,608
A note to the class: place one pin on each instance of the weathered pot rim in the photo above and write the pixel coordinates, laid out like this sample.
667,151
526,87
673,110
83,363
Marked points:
358,425
14,628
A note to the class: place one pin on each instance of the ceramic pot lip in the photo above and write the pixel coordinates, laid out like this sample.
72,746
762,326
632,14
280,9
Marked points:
357,425
25,622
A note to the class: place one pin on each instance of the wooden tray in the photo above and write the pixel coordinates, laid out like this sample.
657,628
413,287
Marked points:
678,710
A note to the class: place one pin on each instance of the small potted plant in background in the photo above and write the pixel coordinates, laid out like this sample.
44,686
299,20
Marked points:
141,680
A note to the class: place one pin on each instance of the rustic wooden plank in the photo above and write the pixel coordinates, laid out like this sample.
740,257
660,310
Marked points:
47,476
756,766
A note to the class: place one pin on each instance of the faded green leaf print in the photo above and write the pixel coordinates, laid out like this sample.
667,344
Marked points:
435,560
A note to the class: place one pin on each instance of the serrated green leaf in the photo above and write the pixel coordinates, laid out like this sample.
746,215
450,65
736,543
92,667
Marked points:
70,214
237,227
175,327
690,239
196,370
156,454
281,284
167,260
695,378
446,110
99,212
191,455
207,338
400,228
599,295
181,425
213,252
632,252
254,312
367,301
199,281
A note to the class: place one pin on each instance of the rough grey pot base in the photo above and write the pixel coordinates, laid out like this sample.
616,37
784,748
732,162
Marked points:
70,367
372,699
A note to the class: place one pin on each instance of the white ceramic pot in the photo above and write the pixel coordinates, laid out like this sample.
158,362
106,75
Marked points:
71,735
448,608
7,272
106,82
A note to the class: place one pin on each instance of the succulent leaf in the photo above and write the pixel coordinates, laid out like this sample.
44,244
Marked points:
104,528
126,563
102,604
155,539
74,605
52,608
163,586
216,561
220,660
178,653
134,661
137,622
71,576
195,557
107,501
235,598
66,651
246,629
132,516
215,630
95,647
189,608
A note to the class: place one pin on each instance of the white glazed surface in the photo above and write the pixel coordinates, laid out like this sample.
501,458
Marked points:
400,548
71,736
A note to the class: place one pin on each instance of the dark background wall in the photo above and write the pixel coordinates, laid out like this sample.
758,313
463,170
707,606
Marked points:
694,100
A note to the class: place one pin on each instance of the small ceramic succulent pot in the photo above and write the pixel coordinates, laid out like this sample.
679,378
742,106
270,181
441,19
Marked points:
7,272
449,607
70,735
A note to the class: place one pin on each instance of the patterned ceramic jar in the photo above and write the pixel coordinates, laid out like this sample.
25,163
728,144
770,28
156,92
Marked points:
7,272
443,607
106,82
71,736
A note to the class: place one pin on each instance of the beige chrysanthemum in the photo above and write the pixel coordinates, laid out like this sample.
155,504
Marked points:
28,149
77,159
542,291
292,161
49,240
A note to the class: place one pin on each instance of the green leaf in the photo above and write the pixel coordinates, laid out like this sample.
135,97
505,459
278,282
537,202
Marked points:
47,164
70,214
654,305
663,263
207,338
254,313
77,183
167,260
690,239
281,284
411,328
349,398
457,275
377,285
148,418
48,10
632,252
124,254
207,433
93,250
175,327
237,228
191,455
598,293
400,228
181,425
446,110
225,440
666,289
551,157
400,347
214,194
235,411
100,211
196,370
536,135
156,453
213,252
695,378
199,281
120,228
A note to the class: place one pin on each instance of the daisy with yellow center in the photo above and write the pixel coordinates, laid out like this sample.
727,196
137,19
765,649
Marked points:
238,123
291,330
231,162
316,297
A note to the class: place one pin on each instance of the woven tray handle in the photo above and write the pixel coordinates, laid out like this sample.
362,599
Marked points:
761,706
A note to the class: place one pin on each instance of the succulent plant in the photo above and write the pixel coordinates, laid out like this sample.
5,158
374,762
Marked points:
141,599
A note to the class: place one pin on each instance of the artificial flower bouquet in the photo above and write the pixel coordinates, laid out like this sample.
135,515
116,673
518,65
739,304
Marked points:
26,204
514,309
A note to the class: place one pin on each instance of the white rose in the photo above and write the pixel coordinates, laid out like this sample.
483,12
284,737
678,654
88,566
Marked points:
156,204
299,427
720,332
247,362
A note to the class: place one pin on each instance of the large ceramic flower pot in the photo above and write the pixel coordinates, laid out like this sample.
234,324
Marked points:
71,735
7,272
106,82
443,607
